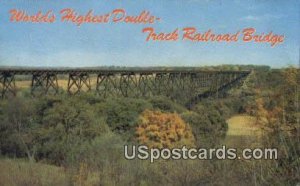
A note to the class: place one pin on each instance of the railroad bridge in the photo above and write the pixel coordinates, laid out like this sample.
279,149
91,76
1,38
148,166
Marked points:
190,84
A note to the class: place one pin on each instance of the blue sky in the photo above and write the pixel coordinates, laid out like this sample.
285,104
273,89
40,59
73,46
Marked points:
65,44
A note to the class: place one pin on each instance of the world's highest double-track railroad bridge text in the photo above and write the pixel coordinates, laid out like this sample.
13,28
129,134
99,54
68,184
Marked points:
191,84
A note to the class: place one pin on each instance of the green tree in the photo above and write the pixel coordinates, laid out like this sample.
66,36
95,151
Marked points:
66,125
18,127
122,113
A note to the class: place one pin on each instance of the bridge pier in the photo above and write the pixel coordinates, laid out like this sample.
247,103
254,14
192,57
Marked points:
101,80
173,84
128,83
43,83
77,81
7,84
146,84
189,84
161,83
107,84
193,85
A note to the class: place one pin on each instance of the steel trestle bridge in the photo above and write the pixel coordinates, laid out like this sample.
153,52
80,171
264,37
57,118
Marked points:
193,84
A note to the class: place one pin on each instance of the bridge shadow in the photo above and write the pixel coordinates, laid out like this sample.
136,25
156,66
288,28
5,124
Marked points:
219,92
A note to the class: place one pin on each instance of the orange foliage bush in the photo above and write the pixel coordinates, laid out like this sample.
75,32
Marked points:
158,130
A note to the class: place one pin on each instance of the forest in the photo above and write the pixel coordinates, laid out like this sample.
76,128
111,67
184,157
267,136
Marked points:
79,140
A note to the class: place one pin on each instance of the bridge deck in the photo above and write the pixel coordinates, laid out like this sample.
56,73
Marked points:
29,71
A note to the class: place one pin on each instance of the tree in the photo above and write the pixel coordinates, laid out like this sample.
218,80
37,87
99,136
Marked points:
65,126
18,126
157,129
122,114
291,94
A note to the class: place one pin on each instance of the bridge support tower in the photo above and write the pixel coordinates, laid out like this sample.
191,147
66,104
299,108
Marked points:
7,84
78,82
44,83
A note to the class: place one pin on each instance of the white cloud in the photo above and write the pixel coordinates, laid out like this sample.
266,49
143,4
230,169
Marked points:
261,17
250,18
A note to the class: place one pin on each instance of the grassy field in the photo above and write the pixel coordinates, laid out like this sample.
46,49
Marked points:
242,125
62,83
20,172
242,132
